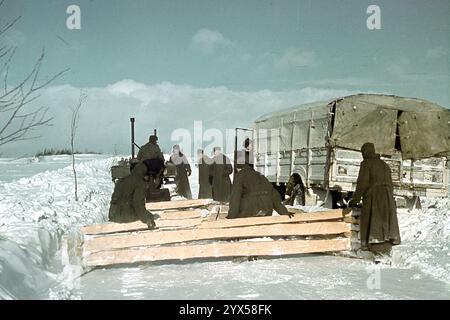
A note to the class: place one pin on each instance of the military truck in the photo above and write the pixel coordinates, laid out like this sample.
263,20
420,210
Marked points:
321,141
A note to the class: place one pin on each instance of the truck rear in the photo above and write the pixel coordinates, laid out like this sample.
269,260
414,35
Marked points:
321,142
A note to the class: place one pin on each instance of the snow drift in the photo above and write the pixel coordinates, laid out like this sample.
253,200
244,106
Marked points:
34,214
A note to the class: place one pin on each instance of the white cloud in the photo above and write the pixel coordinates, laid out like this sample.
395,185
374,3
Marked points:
295,58
436,53
208,41
405,72
104,120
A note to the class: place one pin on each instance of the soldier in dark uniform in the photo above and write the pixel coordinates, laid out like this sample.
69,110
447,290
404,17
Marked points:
150,150
378,222
151,154
219,173
295,190
252,194
205,189
183,172
248,149
128,199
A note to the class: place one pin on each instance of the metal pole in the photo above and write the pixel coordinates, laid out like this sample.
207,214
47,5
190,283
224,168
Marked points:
308,155
235,152
235,145
132,137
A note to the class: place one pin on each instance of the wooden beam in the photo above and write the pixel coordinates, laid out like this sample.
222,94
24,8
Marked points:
112,227
178,204
149,238
173,217
214,216
178,215
352,220
220,207
192,218
254,221
231,249
295,210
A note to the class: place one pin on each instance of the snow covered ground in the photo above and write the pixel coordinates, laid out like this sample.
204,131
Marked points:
36,210
37,206
14,169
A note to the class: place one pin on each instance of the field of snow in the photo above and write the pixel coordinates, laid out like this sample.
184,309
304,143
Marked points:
37,206
14,169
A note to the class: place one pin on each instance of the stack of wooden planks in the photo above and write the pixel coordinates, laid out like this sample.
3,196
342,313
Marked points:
188,230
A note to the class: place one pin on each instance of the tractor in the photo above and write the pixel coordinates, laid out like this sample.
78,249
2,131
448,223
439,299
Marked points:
155,180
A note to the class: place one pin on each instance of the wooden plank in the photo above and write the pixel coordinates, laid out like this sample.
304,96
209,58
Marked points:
189,219
148,238
295,210
178,215
178,204
216,207
352,220
254,221
172,217
111,227
214,216
231,249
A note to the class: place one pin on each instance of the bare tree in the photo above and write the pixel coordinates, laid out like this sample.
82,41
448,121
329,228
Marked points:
73,130
18,117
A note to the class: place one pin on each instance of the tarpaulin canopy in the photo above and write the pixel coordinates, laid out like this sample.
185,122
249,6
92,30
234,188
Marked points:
359,122
417,128
423,127
292,125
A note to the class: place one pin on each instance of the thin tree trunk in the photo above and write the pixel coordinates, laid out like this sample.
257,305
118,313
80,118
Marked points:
73,129
74,175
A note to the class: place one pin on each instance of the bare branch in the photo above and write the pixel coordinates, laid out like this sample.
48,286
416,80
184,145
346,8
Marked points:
19,116
9,25
16,99
56,76
18,135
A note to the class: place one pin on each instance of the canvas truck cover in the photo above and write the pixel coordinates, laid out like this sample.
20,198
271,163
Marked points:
423,127
290,128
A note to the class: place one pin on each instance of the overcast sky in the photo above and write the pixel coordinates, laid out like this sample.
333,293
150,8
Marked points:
169,63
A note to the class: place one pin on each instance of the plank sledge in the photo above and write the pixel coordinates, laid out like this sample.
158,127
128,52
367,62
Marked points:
187,232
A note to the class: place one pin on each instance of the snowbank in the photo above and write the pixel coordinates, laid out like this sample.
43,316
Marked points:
426,239
34,213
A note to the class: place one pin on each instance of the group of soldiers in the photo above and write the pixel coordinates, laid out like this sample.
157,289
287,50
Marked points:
213,174
251,194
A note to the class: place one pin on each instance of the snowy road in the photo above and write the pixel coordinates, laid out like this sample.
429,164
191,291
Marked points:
35,210
306,277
